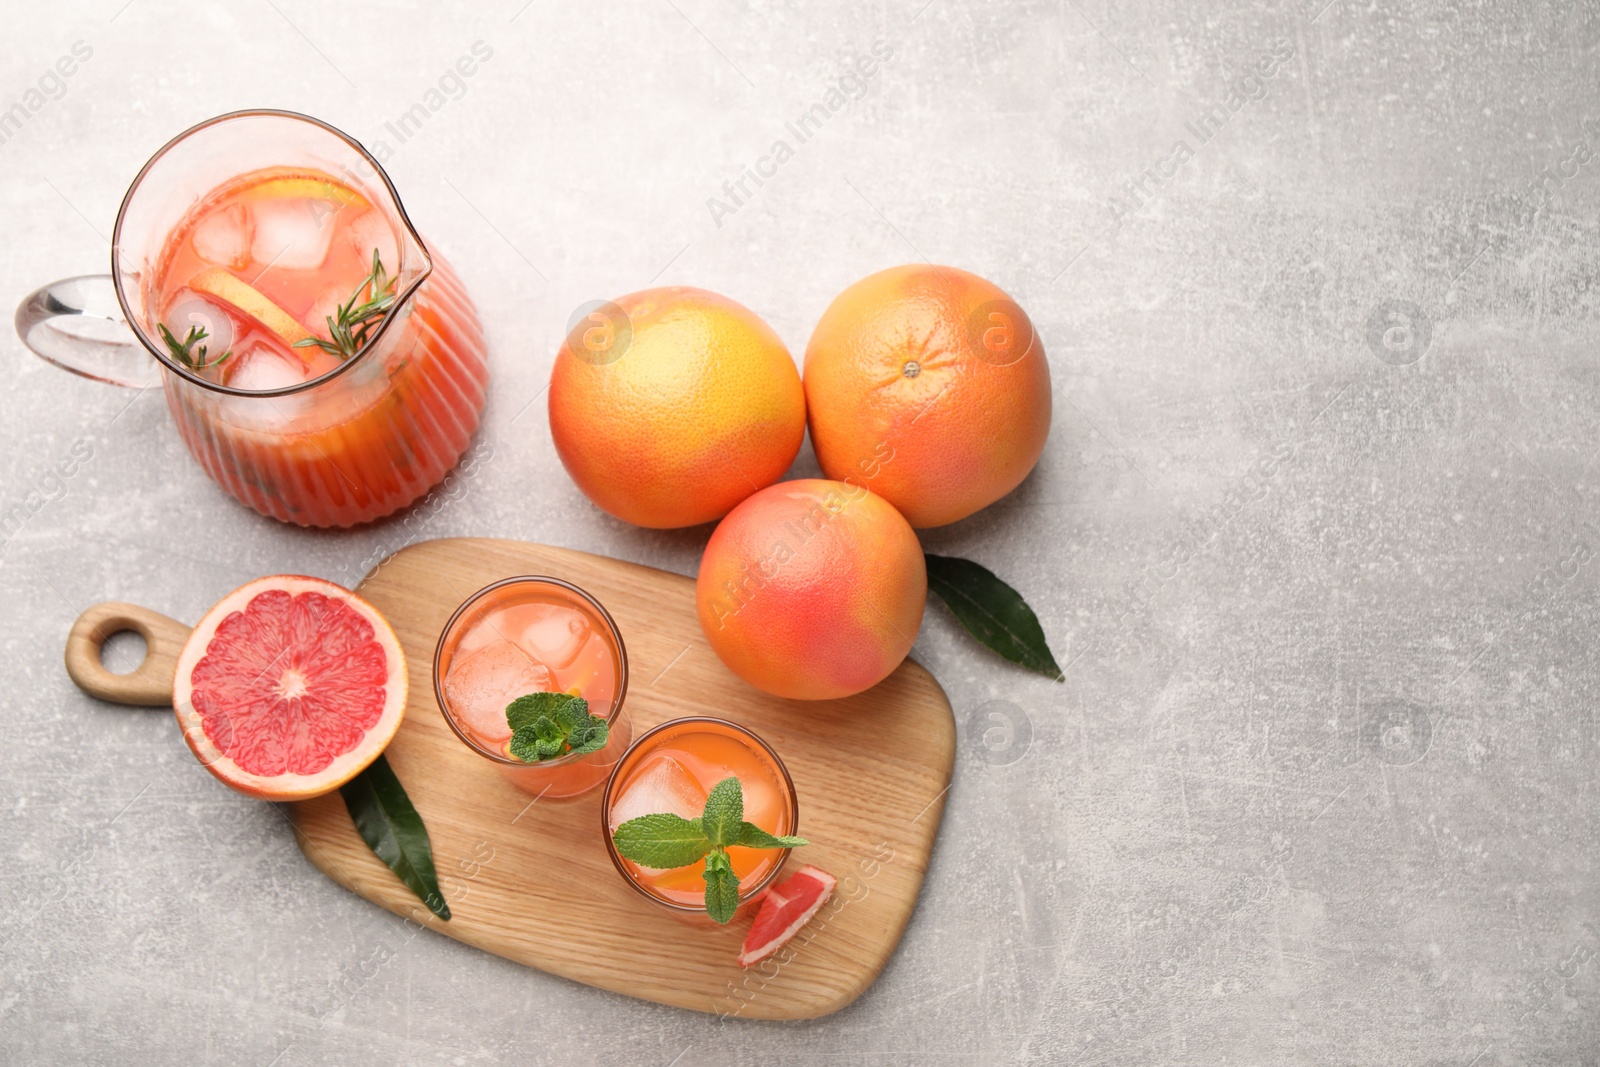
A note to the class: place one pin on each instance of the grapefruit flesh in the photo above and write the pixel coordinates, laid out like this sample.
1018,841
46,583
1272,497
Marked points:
290,687
786,908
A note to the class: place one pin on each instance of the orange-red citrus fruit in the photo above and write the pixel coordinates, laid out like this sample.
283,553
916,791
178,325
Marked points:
289,687
669,406
812,589
786,908
929,386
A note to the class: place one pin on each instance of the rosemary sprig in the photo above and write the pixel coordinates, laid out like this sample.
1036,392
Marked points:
185,352
353,321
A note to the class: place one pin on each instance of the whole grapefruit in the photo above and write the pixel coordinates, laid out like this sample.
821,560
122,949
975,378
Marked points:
669,406
812,589
928,385
289,687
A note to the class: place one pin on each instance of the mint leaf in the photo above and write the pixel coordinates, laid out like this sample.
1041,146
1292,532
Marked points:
525,745
538,740
572,713
993,612
591,737
388,822
662,840
753,836
722,886
526,710
724,812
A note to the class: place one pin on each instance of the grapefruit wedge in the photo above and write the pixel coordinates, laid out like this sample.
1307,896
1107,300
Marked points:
786,908
307,187
246,299
290,687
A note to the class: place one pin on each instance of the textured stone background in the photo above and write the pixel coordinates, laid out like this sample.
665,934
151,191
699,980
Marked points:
1320,786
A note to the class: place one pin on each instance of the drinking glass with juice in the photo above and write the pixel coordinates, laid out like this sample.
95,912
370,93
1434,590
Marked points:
321,364
528,635
673,768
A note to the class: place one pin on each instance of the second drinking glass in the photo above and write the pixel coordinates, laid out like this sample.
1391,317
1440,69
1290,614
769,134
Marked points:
672,768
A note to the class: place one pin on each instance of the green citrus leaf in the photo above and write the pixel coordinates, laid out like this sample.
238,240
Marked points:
993,612
389,824
662,840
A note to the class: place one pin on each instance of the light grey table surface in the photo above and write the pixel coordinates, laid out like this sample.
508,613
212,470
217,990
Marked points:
1320,785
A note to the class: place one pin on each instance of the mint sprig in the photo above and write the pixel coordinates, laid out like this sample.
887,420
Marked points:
547,726
665,840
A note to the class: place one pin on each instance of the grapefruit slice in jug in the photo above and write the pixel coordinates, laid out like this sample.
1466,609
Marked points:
246,299
290,687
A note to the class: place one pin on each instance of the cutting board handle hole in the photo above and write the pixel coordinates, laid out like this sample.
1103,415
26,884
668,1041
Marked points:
123,673
124,652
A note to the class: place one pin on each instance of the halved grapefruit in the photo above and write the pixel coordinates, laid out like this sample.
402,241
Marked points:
290,687
786,908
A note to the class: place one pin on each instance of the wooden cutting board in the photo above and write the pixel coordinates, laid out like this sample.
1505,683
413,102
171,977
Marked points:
531,881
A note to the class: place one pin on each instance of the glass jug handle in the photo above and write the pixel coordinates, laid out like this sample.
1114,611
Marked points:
78,325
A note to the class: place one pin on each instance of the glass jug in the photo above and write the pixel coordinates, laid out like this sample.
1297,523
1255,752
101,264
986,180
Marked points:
309,399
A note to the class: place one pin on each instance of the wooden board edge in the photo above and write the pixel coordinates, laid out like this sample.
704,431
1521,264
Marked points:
375,884
379,888
435,543
935,812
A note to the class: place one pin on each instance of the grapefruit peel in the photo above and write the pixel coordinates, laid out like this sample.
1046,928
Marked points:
251,302
306,187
